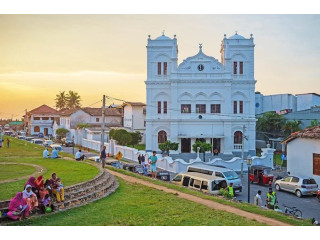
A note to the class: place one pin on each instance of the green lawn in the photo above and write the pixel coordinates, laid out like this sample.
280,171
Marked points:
244,206
138,205
13,171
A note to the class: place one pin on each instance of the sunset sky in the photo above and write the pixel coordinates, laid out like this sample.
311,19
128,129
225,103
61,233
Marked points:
41,55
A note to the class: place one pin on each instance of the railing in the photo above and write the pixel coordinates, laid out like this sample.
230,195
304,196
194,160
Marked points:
237,146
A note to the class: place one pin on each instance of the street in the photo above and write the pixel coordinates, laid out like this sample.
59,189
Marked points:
309,205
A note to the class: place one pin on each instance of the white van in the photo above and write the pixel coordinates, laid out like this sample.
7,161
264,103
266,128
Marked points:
37,141
201,182
228,174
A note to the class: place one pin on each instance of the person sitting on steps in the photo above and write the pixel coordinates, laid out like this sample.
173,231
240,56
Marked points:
54,187
79,156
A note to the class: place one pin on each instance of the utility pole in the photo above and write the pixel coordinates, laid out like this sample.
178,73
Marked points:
25,122
243,128
103,122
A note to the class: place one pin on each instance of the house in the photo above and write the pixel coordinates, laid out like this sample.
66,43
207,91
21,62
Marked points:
276,102
134,117
201,98
40,120
307,100
303,153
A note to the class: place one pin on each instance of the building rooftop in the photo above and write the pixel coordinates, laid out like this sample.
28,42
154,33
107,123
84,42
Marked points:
236,36
134,104
43,109
313,133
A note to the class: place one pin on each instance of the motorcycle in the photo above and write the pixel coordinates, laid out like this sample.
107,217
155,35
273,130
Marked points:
318,195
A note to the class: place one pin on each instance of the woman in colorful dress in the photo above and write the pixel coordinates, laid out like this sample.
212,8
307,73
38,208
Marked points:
30,197
18,207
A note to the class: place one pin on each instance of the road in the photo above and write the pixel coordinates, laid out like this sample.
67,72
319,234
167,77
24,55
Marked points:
310,206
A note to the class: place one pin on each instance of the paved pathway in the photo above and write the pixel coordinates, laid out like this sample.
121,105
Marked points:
208,203
40,170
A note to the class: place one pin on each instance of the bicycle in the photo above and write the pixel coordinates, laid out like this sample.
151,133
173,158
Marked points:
293,211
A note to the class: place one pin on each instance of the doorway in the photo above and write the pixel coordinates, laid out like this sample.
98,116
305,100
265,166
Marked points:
216,144
185,145
45,131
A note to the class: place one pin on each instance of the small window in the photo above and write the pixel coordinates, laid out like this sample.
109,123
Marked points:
287,179
200,108
241,106
241,67
185,108
295,180
159,68
235,107
219,174
36,118
159,107
165,107
235,68
186,181
97,119
309,181
204,185
215,108
191,182
144,123
177,178
45,118
165,68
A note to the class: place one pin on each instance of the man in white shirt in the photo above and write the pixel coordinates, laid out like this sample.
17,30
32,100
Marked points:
79,156
257,201
46,153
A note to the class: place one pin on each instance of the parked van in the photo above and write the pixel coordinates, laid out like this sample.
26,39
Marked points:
37,141
201,182
228,174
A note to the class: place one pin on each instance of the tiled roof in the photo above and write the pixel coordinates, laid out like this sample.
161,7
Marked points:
98,111
67,112
134,104
44,109
313,132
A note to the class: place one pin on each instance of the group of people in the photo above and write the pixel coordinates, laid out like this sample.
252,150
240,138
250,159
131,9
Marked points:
8,142
36,196
271,199
54,153
152,161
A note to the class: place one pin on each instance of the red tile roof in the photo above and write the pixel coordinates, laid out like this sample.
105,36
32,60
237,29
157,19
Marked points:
134,104
98,111
44,109
313,132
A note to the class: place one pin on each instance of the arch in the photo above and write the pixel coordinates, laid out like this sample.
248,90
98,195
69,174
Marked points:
239,96
201,96
239,57
185,96
159,128
162,136
162,96
36,129
162,57
216,96
237,137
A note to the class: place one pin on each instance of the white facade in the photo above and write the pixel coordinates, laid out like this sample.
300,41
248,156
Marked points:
300,157
41,124
134,118
308,100
221,96
275,102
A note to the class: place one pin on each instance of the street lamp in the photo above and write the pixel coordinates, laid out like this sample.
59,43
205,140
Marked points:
249,162
73,145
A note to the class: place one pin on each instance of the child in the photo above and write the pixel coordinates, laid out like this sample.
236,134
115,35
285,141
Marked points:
145,169
59,184
46,205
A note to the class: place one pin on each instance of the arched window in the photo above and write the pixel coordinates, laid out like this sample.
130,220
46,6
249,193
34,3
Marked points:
237,137
162,136
36,129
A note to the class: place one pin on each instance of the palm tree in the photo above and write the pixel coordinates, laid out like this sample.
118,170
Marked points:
291,127
73,100
61,100
270,123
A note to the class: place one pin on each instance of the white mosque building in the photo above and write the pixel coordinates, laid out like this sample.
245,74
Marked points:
201,98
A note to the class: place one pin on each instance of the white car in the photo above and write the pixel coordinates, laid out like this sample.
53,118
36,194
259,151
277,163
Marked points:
37,141
57,146
47,143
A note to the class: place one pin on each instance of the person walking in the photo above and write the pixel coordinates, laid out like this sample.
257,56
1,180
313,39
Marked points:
103,156
257,201
8,142
139,158
143,159
153,162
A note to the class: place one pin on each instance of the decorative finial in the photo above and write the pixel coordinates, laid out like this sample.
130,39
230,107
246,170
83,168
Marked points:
163,33
200,46
174,36
225,35
149,36
251,35
236,32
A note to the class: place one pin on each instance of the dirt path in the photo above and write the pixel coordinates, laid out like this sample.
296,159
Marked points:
40,170
208,203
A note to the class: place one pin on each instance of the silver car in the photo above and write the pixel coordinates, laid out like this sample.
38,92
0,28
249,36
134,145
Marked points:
298,185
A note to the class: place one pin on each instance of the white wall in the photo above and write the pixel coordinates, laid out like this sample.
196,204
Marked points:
300,157
306,101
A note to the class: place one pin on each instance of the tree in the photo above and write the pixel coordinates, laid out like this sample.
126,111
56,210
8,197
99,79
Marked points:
62,132
291,127
83,125
314,123
204,147
61,100
122,137
167,146
136,138
73,100
271,123
112,132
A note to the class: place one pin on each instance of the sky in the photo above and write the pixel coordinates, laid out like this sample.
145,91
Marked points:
93,55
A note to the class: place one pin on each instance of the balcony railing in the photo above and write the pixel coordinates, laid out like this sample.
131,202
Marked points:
237,146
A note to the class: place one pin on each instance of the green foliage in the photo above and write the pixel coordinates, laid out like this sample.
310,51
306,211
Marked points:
291,127
136,138
204,147
70,100
83,125
314,123
61,100
112,132
167,146
62,132
271,123
122,137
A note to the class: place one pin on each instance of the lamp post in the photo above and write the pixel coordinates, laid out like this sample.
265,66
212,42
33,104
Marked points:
249,162
73,145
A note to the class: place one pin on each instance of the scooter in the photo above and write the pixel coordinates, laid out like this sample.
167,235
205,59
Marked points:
318,195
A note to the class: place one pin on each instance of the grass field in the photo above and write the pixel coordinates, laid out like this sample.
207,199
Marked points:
12,171
70,172
138,205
